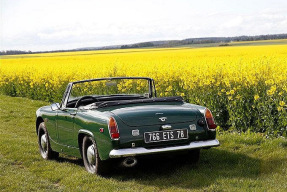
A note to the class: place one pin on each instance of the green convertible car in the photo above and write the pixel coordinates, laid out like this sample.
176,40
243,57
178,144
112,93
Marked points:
120,119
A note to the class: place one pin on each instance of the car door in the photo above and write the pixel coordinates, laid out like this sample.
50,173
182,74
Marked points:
50,119
66,129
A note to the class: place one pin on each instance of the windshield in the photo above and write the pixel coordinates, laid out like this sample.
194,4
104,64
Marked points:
112,87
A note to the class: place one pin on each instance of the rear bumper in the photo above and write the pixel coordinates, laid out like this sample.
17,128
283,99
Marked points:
117,153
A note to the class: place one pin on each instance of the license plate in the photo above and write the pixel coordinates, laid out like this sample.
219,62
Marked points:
158,136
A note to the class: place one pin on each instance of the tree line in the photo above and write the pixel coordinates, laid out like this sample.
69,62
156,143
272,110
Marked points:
168,43
205,40
14,52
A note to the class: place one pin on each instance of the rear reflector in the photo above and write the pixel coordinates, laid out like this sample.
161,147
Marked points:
113,128
209,119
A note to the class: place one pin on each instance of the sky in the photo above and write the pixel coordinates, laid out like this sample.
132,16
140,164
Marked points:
44,25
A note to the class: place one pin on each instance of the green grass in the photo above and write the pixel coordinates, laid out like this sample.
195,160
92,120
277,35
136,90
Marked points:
247,162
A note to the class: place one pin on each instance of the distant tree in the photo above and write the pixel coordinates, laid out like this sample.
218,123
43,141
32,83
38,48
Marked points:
14,52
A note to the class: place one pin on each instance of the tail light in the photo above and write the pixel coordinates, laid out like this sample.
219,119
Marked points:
209,119
113,128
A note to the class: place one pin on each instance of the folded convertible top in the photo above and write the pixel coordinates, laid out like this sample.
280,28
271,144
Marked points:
148,100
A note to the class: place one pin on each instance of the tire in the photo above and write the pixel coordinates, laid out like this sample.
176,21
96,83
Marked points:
44,143
91,159
194,156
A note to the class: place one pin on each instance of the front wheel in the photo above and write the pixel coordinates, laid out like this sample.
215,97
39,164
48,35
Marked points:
44,143
92,161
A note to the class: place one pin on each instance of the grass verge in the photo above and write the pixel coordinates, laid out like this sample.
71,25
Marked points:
246,162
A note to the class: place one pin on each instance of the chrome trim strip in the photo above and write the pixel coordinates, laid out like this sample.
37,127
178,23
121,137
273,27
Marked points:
117,153
68,146
86,132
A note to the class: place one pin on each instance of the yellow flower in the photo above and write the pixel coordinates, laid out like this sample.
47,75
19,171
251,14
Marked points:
271,91
279,108
269,82
256,97
238,97
282,103
225,71
169,88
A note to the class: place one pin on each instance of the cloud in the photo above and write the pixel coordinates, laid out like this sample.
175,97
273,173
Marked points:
233,22
49,25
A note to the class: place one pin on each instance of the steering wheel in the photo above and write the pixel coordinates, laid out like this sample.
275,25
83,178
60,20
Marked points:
83,98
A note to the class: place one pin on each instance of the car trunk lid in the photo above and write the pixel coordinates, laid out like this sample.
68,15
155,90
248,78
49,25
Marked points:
136,116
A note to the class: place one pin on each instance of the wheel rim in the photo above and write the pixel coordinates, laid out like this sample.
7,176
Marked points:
44,143
91,155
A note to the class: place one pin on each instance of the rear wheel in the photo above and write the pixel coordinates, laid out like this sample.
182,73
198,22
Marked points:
194,156
44,143
92,161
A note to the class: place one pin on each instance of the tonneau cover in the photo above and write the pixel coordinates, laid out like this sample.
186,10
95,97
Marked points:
148,100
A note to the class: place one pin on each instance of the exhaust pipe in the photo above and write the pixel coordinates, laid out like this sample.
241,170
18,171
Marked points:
129,162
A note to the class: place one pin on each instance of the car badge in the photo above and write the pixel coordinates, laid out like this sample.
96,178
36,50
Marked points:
163,119
135,132
165,127
192,127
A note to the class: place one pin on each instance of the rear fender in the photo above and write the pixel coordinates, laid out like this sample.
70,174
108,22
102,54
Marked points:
103,141
81,134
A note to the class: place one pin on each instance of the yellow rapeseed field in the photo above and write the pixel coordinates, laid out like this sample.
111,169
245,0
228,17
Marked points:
245,86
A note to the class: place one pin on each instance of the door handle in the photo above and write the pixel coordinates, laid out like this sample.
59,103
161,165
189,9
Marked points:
73,113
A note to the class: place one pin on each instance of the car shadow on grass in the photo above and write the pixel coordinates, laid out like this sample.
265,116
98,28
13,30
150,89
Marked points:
68,159
167,172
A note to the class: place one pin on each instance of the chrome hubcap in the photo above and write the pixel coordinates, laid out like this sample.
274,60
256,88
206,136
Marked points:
91,155
44,142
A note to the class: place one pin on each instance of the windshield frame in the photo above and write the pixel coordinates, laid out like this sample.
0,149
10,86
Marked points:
151,85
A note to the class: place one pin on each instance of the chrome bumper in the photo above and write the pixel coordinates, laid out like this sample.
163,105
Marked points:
116,153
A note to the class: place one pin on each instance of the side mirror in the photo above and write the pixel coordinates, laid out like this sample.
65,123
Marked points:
55,106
